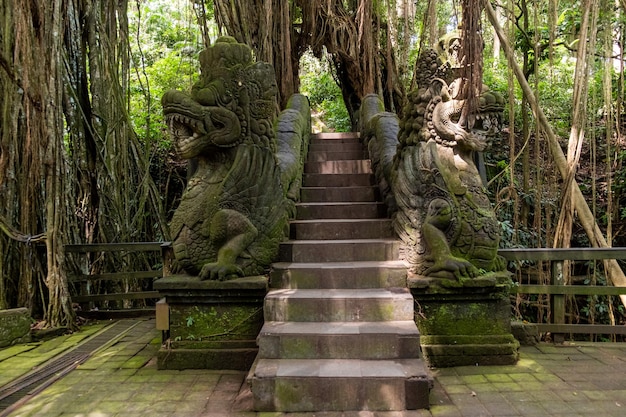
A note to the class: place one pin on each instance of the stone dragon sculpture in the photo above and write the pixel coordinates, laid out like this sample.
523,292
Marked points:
234,211
443,214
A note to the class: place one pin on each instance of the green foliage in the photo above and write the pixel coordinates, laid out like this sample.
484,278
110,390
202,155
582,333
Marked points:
619,184
164,55
336,115
175,70
318,84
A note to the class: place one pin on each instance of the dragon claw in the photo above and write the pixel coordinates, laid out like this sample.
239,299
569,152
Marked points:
215,271
452,266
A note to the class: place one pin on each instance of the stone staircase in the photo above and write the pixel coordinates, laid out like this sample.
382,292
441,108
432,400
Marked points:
339,332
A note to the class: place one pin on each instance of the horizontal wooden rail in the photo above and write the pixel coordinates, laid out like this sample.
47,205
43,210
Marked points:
114,247
117,296
115,276
568,290
561,254
88,302
557,290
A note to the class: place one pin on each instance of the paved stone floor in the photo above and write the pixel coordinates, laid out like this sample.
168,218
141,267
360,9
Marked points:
121,379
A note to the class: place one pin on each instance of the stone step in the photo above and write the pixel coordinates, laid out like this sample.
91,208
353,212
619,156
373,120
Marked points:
337,180
338,155
335,146
338,141
361,166
294,385
339,194
341,229
335,136
341,210
340,250
339,331
382,274
332,305
340,340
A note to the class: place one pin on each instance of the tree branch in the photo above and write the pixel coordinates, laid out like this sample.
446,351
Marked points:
586,217
16,235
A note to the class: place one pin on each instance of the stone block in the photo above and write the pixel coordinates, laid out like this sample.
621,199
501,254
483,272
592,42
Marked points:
417,392
466,324
237,359
212,324
14,326
526,333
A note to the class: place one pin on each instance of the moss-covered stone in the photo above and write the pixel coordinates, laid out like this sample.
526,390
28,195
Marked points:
215,322
14,326
235,210
467,340
526,333
467,325
212,324
464,317
232,359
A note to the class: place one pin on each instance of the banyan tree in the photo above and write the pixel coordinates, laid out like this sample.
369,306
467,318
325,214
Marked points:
366,42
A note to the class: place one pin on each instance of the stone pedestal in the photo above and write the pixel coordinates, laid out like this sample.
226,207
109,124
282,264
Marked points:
212,324
465,323
14,326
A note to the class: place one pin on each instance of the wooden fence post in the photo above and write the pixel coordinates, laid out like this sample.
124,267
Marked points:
167,253
557,301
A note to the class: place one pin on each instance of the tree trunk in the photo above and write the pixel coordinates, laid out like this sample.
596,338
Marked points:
266,27
357,36
32,151
119,199
613,270
67,57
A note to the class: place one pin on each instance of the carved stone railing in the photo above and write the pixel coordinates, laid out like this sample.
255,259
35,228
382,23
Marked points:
424,166
235,211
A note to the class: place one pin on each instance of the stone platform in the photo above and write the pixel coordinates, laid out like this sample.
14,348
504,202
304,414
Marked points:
465,323
212,324
122,379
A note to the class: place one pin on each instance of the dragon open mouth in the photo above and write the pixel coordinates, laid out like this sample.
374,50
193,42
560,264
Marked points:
485,125
185,131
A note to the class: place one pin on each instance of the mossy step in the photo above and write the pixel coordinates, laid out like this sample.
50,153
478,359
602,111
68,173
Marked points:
341,229
335,146
337,155
339,194
349,250
338,180
339,340
335,136
338,305
364,274
341,210
297,385
363,166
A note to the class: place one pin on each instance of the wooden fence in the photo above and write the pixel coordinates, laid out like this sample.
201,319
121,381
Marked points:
557,290
83,283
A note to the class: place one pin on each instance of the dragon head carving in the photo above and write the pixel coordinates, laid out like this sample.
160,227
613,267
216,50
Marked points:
444,215
233,212
433,111
232,103
196,128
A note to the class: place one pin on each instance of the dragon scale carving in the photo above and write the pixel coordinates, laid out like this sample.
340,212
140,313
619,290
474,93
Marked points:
441,210
234,211
453,231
